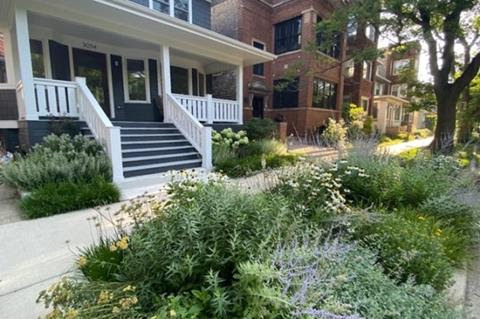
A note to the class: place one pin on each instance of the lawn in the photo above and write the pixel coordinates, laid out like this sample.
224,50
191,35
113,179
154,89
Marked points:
368,236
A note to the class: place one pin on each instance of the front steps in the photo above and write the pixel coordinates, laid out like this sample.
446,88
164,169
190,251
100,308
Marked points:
153,147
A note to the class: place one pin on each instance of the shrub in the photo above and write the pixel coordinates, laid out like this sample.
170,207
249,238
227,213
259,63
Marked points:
264,146
58,159
258,129
244,166
61,197
423,133
368,125
102,261
64,126
337,280
229,138
222,153
408,246
335,134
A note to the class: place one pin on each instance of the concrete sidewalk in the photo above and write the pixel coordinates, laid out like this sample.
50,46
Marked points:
36,253
402,147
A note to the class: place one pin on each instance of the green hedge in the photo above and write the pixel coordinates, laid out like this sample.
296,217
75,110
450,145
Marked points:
57,198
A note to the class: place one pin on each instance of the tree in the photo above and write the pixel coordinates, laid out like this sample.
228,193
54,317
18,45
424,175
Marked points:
439,23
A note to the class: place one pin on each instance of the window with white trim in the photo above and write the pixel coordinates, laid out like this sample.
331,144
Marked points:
399,90
136,80
367,70
176,8
349,68
379,88
400,65
365,103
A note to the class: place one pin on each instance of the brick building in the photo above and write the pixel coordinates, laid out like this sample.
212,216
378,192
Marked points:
287,29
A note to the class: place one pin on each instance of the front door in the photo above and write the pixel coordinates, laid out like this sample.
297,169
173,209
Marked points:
93,66
257,105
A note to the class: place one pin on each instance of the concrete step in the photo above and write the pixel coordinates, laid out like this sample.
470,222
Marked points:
159,159
140,152
154,144
152,137
127,124
160,168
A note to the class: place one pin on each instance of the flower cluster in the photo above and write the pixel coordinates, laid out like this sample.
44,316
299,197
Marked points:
230,138
121,244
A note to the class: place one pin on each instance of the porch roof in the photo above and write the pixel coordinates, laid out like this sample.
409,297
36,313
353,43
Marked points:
390,98
128,18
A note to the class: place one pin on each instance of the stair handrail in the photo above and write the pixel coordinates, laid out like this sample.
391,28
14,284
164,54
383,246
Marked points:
198,135
100,126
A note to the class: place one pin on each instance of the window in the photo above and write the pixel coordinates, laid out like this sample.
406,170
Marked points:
365,103
137,83
161,5
397,113
367,70
3,70
181,9
399,90
370,33
285,93
381,71
201,84
349,68
259,69
288,35
352,28
179,79
375,111
400,65
379,88
332,50
38,62
324,94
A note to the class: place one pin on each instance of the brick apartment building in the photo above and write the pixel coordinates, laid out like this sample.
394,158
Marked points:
287,29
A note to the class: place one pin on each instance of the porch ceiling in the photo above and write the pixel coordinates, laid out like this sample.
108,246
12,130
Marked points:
123,17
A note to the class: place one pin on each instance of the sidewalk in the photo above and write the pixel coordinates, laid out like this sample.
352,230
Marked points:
402,147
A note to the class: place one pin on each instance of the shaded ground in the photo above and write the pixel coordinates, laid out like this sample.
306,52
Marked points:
9,210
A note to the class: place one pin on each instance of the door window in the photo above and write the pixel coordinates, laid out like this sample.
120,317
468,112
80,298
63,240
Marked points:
137,80
38,64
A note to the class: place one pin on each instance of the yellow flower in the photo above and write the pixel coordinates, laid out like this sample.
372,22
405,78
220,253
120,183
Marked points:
123,243
438,232
421,217
116,310
113,247
129,288
71,313
104,297
173,313
82,261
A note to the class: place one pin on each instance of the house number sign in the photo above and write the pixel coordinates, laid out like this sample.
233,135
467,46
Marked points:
89,45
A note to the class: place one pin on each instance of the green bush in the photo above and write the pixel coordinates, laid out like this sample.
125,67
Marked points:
244,166
61,197
102,261
335,134
258,129
229,138
58,159
423,133
410,246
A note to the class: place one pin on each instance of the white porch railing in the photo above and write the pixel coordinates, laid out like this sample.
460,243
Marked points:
100,126
198,135
55,98
210,110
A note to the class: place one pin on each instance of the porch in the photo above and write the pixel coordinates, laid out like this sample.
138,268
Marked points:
63,66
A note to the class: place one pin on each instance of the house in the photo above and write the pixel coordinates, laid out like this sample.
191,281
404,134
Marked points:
286,28
391,104
135,74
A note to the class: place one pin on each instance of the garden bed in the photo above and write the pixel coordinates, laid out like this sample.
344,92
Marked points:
365,237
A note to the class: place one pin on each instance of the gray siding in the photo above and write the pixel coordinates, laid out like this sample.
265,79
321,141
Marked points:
8,105
201,13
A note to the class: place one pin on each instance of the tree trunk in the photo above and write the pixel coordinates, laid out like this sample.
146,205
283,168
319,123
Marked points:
443,141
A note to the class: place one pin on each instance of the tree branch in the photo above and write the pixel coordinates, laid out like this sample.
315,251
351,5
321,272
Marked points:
467,76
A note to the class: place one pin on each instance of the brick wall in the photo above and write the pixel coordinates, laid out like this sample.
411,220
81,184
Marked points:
255,21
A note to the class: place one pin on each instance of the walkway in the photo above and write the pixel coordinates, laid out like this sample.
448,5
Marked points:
403,147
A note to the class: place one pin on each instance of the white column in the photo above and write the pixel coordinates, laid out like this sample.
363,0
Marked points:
240,93
210,109
167,86
24,63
